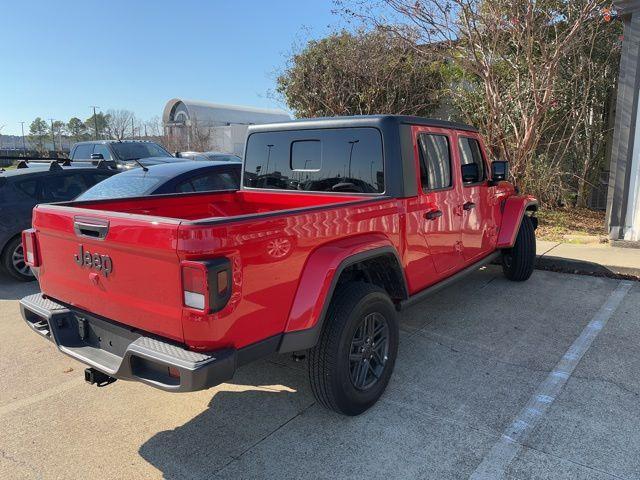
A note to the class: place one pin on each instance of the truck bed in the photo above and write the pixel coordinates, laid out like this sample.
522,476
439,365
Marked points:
265,235
217,205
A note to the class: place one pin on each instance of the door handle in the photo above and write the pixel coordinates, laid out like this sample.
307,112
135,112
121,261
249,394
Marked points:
433,214
469,206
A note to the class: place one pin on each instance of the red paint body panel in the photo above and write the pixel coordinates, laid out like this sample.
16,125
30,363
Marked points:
319,272
284,247
513,211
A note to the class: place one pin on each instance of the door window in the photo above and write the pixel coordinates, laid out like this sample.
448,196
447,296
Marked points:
435,161
28,187
470,153
93,178
59,188
83,151
101,148
209,182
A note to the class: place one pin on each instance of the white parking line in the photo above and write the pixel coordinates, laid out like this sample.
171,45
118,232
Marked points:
495,463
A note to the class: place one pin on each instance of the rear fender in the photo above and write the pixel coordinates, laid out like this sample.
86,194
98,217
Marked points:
318,282
514,210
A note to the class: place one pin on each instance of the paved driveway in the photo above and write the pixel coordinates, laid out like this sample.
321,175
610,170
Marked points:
530,380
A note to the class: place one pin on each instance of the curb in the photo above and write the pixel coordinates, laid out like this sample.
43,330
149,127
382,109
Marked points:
581,267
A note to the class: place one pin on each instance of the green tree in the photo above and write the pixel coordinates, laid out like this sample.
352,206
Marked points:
39,134
534,76
360,73
77,129
101,121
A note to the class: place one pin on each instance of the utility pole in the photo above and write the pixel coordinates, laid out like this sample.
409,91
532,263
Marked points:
133,130
24,145
95,121
53,136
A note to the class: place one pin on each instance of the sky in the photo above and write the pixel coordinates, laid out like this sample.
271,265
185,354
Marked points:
58,57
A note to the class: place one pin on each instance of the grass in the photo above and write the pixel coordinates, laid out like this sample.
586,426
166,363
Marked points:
564,225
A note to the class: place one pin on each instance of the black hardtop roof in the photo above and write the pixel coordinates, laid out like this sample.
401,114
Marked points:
378,121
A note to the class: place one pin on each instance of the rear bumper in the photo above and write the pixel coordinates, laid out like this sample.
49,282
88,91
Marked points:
125,353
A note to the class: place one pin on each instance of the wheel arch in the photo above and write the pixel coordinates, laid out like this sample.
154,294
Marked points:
372,258
513,211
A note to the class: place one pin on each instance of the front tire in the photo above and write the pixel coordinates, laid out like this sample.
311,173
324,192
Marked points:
518,261
350,366
13,261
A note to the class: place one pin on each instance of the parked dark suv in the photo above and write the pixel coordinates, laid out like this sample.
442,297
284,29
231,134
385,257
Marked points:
122,154
21,190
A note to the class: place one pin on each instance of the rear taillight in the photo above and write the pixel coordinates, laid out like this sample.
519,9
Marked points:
30,248
206,285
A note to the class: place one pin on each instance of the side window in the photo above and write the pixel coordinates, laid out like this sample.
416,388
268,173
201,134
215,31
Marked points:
82,151
27,187
208,182
435,161
470,153
62,187
101,148
93,178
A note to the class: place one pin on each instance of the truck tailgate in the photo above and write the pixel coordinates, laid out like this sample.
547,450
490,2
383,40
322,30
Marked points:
119,266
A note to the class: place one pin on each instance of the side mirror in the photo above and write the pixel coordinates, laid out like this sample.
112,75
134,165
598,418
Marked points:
499,170
97,156
470,173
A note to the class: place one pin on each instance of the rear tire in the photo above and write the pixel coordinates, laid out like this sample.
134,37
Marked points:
13,261
518,262
350,366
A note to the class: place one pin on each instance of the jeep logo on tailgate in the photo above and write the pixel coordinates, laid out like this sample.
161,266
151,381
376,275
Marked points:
102,263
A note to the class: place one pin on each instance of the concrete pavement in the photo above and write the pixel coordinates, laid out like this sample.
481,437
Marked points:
591,259
470,359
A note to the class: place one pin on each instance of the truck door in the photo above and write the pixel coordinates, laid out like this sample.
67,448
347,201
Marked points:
439,199
479,230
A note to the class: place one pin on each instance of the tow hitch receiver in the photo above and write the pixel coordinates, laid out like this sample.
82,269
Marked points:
93,376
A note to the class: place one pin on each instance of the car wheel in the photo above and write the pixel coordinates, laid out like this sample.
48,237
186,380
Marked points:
13,261
350,366
518,261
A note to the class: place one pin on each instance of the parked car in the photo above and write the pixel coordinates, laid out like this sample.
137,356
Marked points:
178,291
214,156
22,189
124,154
182,177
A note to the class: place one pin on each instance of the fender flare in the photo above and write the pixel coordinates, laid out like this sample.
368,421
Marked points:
318,282
512,214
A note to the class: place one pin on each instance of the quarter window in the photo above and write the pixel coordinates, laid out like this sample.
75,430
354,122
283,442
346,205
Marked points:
470,153
435,161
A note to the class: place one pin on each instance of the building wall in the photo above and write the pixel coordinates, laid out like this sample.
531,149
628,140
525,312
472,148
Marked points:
623,208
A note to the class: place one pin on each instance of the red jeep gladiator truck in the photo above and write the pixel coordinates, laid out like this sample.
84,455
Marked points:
340,223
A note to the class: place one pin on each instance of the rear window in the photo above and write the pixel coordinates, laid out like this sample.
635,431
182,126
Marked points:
321,160
136,151
122,185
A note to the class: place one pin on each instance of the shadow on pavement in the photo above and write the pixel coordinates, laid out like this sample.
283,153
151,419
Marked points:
11,289
237,417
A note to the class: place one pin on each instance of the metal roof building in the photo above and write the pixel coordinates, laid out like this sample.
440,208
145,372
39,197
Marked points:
180,112
192,124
